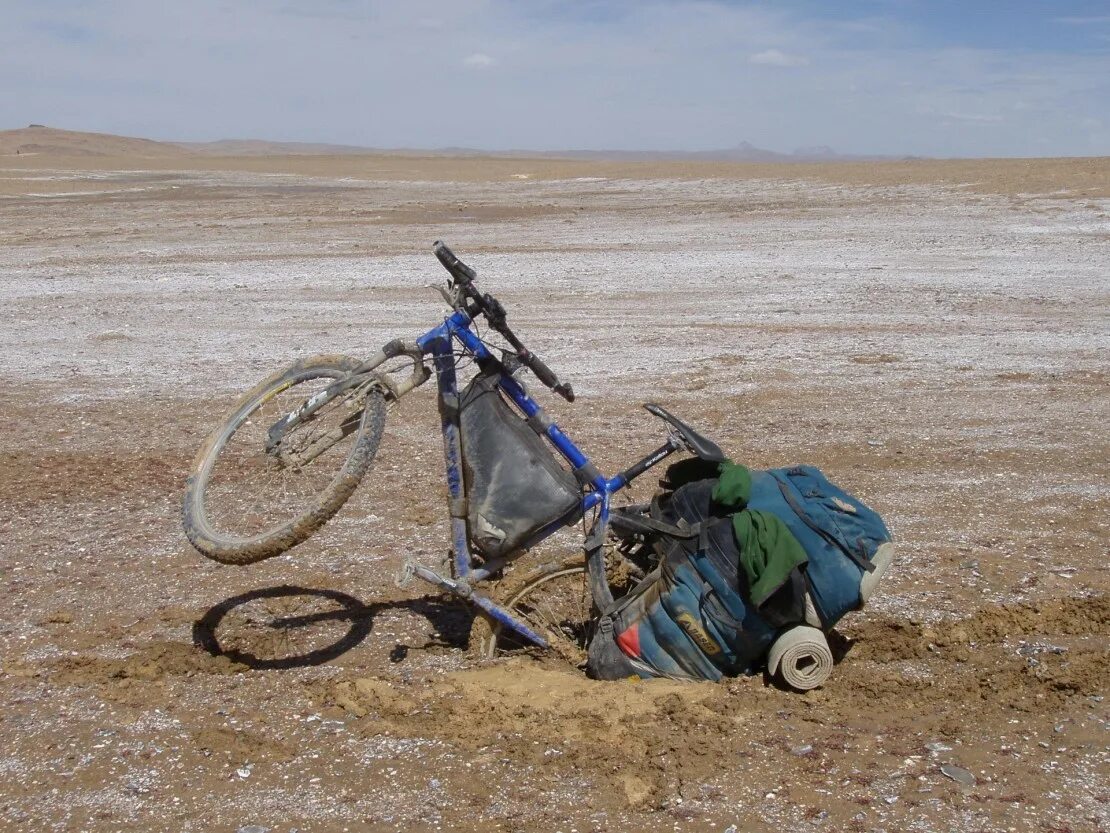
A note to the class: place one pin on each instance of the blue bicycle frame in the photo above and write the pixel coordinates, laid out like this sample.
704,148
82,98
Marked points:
438,343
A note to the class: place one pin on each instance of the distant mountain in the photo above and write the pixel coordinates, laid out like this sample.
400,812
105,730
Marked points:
48,140
816,152
37,139
743,152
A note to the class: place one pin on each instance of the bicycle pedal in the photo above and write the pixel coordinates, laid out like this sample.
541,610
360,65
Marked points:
406,574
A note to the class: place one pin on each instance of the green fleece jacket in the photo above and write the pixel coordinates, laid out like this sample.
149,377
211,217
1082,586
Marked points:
768,549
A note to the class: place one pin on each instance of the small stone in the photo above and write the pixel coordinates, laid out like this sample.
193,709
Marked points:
730,829
243,772
958,773
253,828
937,746
801,750
891,799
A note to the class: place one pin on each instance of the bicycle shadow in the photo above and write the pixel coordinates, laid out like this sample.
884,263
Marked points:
314,615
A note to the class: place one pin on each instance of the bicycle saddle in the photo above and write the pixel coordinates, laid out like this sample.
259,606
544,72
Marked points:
704,448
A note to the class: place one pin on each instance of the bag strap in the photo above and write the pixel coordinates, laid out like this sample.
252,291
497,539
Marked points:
646,525
860,560
728,597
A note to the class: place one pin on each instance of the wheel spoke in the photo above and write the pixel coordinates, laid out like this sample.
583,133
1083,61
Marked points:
553,604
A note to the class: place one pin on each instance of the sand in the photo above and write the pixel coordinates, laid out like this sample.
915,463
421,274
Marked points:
933,334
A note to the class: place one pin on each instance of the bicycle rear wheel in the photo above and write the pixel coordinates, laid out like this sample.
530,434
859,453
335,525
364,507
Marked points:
244,503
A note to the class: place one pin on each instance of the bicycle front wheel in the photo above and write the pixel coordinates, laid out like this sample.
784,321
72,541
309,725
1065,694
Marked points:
554,600
245,502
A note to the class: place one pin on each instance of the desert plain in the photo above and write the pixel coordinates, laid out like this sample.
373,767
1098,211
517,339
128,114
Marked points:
934,334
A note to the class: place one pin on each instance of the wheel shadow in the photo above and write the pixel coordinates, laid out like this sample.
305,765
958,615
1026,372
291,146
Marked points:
303,632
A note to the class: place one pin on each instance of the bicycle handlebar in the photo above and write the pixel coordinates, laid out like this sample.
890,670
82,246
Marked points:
545,374
459,271
495,314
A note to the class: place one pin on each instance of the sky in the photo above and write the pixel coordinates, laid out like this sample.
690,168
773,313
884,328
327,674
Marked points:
923,77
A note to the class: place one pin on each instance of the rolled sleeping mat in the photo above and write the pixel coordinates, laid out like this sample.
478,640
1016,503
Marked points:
801,656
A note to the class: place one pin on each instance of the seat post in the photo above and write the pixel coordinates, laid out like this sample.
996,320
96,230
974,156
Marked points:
640,466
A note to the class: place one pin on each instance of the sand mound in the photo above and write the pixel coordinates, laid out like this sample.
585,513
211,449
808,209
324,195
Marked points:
635,735
154,662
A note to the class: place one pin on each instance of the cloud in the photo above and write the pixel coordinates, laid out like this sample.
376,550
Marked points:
775,58
478,59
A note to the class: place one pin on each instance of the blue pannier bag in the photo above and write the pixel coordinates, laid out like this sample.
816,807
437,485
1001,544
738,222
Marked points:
693,616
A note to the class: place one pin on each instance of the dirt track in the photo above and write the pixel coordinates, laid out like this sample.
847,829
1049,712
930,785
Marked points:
937,342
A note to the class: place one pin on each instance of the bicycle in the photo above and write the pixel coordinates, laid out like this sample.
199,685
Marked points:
314,428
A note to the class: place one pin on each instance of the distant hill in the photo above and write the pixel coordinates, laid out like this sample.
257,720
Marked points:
37,139
261,147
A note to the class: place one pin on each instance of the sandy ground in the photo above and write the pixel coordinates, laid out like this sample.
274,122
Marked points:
935,335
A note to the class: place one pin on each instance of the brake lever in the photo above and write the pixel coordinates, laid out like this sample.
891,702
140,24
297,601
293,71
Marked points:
449,297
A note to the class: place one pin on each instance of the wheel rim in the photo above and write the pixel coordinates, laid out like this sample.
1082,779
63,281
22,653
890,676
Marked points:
248,493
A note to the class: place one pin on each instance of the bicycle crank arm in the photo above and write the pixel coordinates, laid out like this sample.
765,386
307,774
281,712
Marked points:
410,570
462,589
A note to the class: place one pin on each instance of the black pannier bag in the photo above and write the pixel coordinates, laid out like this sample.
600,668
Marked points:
514,484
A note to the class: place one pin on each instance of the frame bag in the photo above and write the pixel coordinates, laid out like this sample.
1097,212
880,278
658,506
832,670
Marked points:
514,485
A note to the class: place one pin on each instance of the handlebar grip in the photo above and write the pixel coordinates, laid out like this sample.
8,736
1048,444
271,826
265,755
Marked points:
459,270
546,375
